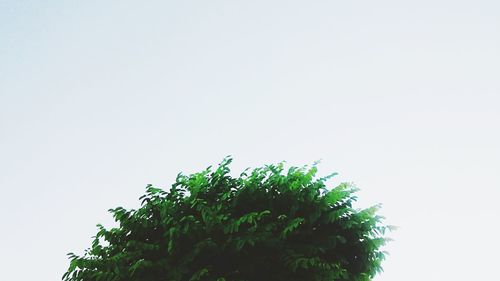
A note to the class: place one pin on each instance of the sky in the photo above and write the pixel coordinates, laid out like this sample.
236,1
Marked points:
402,98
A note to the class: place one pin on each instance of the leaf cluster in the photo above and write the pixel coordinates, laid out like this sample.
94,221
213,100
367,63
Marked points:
266,224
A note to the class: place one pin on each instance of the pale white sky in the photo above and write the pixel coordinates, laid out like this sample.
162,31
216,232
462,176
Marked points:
100,98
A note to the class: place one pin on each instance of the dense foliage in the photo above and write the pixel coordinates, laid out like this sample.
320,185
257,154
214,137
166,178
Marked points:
269,224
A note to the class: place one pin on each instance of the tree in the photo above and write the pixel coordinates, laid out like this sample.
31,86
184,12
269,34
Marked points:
268,224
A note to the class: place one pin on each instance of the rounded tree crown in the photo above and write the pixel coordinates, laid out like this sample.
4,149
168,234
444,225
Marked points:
268,224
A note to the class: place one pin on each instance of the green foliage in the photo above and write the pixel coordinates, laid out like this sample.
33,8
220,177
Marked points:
268,224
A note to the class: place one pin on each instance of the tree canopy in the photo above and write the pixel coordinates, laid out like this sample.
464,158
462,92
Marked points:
268,224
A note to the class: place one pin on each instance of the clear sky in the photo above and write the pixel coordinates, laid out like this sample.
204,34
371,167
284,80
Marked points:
100,98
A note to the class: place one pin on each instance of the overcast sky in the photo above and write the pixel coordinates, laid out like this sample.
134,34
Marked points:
100,98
